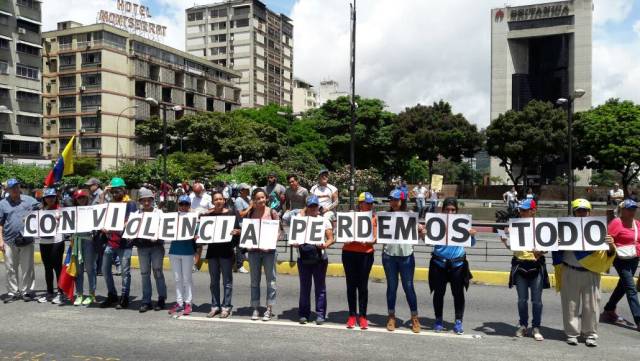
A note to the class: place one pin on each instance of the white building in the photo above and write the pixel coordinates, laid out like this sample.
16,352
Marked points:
329,91
304,96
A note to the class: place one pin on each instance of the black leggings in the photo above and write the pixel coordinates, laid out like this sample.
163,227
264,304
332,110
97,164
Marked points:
51,255
357,267
442,276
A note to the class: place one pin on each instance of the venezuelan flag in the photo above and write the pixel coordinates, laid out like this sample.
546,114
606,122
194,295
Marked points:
67,277
63,166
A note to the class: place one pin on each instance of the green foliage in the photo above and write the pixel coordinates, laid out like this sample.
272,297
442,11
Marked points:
416,171
255,174
196,165
608,137
367,180
527,139
604,178
84,167
301,162
31,176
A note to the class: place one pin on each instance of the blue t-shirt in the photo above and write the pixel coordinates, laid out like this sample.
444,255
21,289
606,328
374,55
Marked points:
12,215
183,248
450,252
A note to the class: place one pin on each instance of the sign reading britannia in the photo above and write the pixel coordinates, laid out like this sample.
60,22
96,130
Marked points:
132,18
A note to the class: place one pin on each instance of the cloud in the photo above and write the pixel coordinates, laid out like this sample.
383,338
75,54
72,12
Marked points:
613,11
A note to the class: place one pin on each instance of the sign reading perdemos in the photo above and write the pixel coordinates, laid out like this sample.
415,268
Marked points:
354,227
564,234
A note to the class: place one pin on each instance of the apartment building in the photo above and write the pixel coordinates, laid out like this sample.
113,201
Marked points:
304,96
330,90
20,87
96,81
251,39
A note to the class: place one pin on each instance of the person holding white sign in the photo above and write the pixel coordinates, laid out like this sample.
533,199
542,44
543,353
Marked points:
449,265
51,252
357,260
86,250
578,280
313,263
150,252
528,273
398,261
262,258
220,259
624,231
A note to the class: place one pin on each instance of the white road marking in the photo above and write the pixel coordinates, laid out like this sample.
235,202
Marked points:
329,326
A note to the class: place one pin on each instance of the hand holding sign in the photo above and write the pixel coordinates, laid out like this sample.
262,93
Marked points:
551,234
354,227
448,229
398,228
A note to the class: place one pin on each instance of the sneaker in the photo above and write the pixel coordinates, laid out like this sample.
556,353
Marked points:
144,308
415,324
10,297
255,316
226,312
242,270
573,341
612,317
124,302
364,323
457,328
109,301
302,321
87,301
591,341
28,297
187,309
214,311
159,305
536,334
351,321
438,326
319,320
46,298
58,299
521,331
268,315
391,322
78,300
176,308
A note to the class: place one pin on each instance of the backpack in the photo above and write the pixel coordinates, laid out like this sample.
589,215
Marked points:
274,201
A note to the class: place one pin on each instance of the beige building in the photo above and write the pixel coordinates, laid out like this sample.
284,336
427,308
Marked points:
329,90
251,39
20,87
97,77
304,96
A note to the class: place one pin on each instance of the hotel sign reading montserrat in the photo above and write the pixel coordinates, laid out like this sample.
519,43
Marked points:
536,12
132,18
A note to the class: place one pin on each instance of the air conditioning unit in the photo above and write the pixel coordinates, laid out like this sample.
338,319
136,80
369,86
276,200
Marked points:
22,31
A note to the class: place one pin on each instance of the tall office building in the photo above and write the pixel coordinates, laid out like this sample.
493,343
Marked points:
20,86
251,39
97,79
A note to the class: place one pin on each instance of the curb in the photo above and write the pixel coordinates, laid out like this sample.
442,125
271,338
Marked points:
482,277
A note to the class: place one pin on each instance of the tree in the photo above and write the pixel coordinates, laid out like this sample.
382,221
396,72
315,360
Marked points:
84,166
430,132
527,139
604,178
608,137
195,164
416,171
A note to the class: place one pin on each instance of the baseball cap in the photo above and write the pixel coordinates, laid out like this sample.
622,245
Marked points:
92,181
323,171
243,186
184,199
117,183
629,204
145,193
80,193
366,197
272,174
581,203
527,204
313,201
395,194
50,192
12,182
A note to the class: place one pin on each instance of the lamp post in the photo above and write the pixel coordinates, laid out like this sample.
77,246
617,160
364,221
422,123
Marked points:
578,93
352,145
118,133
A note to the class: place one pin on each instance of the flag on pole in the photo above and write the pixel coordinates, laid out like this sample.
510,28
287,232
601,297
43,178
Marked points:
67,278
63,166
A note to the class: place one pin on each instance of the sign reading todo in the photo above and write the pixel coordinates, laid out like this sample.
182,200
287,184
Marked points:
306,230
448,229
398,228
259,234
553,234
354,227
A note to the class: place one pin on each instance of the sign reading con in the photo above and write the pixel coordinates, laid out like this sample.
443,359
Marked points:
132,18
558,234
539,12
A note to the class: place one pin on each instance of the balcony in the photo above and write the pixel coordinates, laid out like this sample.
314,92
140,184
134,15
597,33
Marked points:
30,13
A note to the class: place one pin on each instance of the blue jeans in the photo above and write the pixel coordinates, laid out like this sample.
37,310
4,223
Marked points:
420,204
125,263
405,267
217,266
626,268
88,265
523,285
316,273
258,260
151,259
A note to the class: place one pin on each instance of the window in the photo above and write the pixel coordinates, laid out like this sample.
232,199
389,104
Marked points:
242,23
219,38
27,121
93,80
29,26
90,101
4,44
63,143
67,125
189,100
91,58
68,82
195,16
219,50
27,97
28,3
65,41
90,144
27,49
4,67
67,61
4,20
27,72
222,25
241,11
68,104
91,123
218,13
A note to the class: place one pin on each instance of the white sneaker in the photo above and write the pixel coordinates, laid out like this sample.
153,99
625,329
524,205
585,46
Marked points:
46,298
58,299
242,270
536,334
573,341
268,315
255,315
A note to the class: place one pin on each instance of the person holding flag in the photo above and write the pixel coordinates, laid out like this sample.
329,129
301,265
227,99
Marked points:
63,166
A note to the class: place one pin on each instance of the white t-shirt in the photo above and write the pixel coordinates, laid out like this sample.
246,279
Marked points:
201,204
511,196
617,194
420,192
324,194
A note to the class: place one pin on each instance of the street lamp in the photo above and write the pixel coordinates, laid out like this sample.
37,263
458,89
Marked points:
578,93
118,133
352,145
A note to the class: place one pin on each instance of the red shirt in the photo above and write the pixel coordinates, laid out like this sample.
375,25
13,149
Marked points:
360,247
623,236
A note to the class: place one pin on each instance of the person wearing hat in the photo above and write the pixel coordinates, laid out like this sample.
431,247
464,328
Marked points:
578,281
528,273
312,267
18,250
93,185
398,261
51,253
327,194
151,257
117,246
275,192
624,231
243,206
85,251
181,256
357,260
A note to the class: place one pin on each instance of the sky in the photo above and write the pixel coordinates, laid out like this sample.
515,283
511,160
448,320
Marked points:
408,51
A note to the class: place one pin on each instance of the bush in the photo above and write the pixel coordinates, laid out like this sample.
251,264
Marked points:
254,174
367,180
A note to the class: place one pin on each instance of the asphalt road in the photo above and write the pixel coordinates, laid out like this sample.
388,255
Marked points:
31,331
